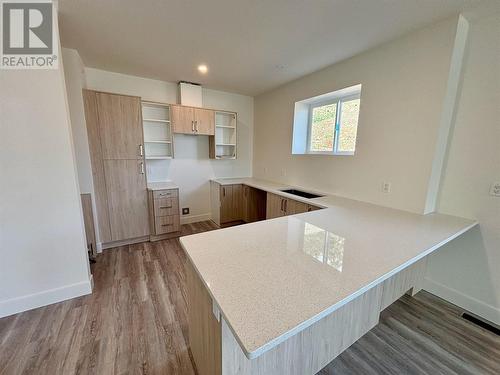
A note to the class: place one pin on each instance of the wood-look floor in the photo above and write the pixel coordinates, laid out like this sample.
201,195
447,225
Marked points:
135,323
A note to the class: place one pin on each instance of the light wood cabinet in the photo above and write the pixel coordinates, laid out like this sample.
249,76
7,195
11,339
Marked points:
310,208
120,126
164,213
204,121
279,206
296,207
190,120
182,119
127,199
226,204
239,202
275,206
114,129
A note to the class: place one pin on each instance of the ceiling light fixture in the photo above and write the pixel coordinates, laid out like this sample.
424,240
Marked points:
203,69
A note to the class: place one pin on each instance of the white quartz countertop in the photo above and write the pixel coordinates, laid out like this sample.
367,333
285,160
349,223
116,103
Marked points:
274,278
162,185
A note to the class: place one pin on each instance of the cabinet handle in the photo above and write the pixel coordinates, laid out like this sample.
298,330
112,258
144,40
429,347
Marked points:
223,192
167,225
281,208
163,194
196,125
286,204
192,126
165,206
141,150
142,168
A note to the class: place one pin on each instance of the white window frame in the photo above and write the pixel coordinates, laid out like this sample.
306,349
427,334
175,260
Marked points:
336,129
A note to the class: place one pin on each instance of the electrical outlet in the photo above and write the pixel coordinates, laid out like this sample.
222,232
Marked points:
495,189
185,211
386,187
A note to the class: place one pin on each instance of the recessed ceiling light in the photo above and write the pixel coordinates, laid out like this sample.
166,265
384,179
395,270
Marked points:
203,69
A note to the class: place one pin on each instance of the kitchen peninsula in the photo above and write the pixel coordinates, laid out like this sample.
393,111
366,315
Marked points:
287,295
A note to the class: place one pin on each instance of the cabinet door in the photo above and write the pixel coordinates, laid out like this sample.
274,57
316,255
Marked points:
226,204
310,208
237,202
295,207
127,199
204,121
120,126
182,119
274,206
245,214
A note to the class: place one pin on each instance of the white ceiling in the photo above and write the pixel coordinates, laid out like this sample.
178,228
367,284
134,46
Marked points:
250,46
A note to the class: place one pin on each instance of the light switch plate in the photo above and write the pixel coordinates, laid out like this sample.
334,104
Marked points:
495,189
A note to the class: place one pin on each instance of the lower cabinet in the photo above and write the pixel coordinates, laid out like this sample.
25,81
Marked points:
237,202
127,200
164,213
231,203
279,206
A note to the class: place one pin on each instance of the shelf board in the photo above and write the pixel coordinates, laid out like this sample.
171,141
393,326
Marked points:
158,157
225,157
226,127
160,141
155,120
154,104
225,144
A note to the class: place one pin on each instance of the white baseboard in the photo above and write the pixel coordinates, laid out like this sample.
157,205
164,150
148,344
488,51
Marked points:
47,297
475,306
189,219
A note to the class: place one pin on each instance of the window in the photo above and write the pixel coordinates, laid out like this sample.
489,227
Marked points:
333,126
327,124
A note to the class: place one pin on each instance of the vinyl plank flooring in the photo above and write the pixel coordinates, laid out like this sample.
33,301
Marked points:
135,322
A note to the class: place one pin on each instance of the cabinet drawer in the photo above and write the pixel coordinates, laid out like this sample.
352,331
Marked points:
165,193
166,224
166,206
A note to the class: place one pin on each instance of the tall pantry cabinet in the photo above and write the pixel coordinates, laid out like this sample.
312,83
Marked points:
114,127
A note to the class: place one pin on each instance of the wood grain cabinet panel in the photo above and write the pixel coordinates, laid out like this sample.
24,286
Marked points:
127,198
167,224
204,121
96,159
310,208
237,197
166,206
120,126
226,204
182,119
274,206
295,207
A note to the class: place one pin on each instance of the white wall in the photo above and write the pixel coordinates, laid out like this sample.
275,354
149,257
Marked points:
191,168
466,271
404,85
42,243
74,74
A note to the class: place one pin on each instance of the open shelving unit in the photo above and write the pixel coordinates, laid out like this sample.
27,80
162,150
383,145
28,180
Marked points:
158,135
223,143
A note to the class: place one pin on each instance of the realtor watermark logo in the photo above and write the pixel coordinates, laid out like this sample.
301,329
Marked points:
28,39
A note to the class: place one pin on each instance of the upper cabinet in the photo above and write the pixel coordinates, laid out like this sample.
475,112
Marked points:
120,127
190,120
204,121
223,144
158,138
